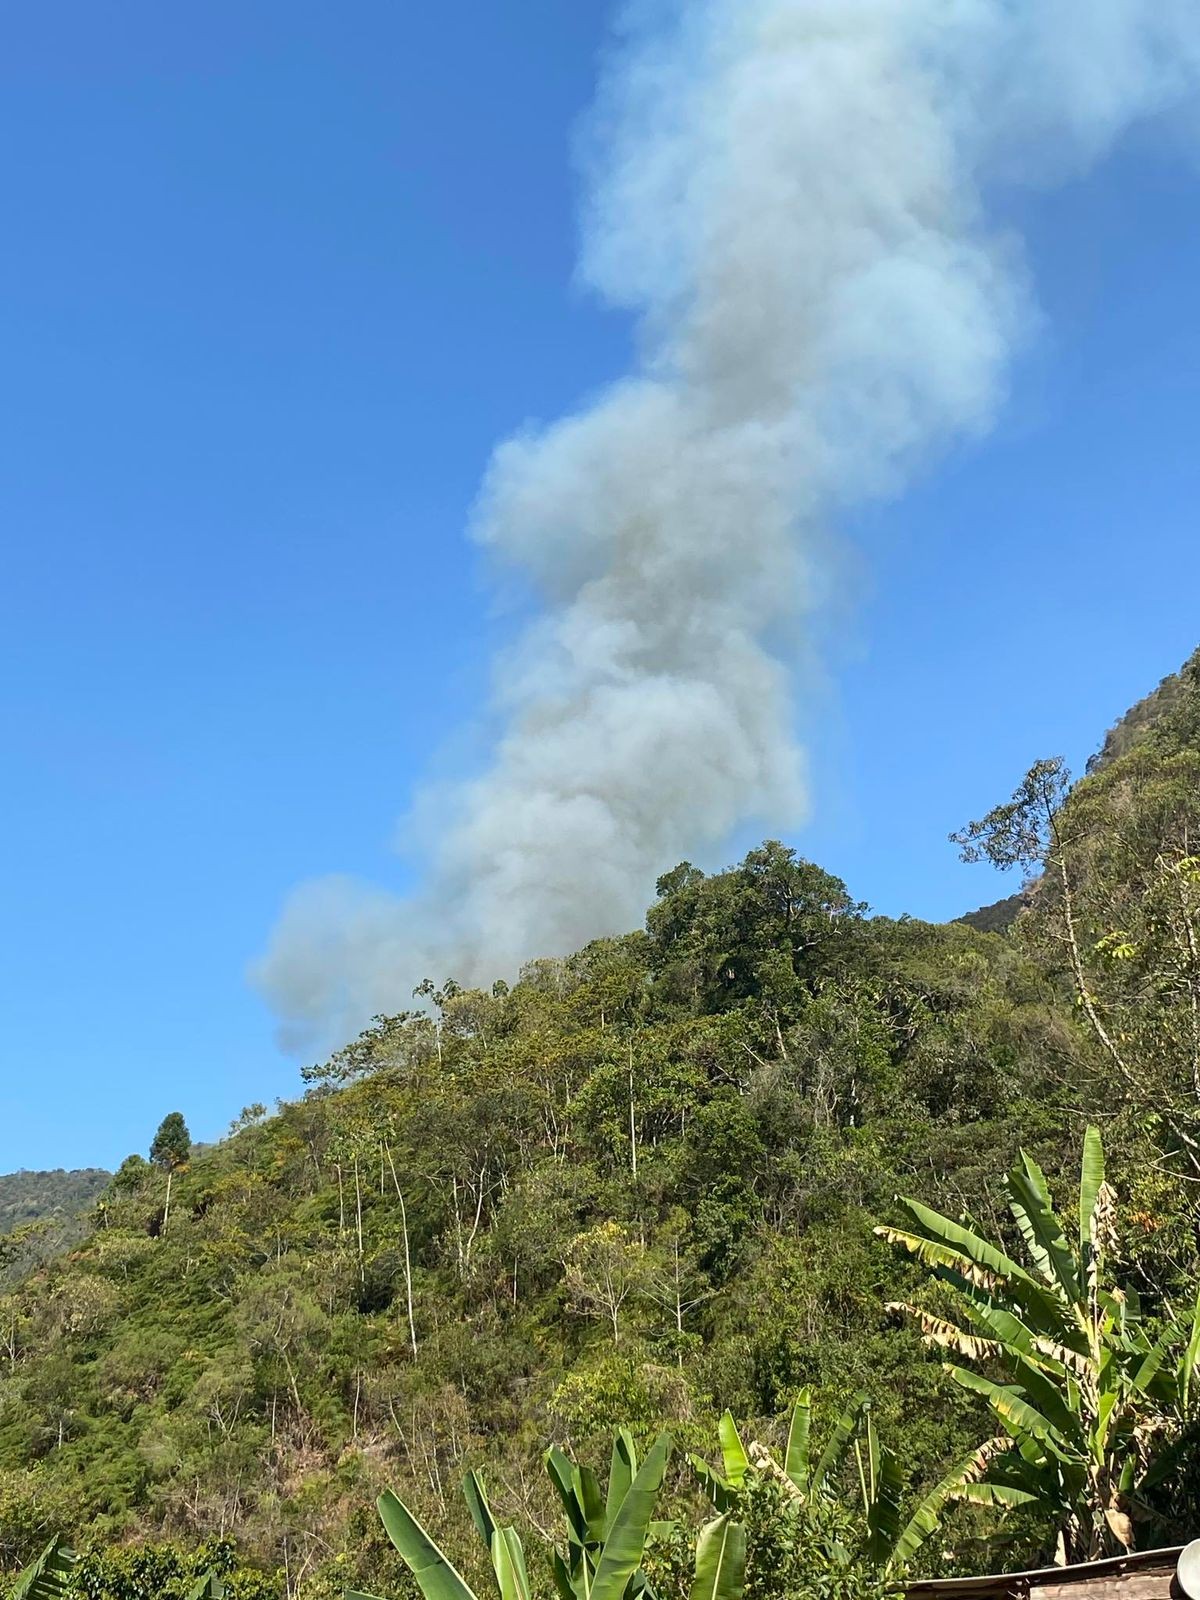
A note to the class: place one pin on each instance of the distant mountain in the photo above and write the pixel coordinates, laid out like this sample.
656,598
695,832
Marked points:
996,918
42,1214
31,1196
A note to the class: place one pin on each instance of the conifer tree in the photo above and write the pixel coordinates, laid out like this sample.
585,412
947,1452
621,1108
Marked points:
169,1151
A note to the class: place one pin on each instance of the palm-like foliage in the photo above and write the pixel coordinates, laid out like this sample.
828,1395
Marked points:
606,1532
209,1586
891,1538
1085,1397
720,1560
47,1577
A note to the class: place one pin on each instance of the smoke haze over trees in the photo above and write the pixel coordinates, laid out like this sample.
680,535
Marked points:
791,199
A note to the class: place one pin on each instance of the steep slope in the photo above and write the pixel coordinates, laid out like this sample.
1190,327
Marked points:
638,1186
42,1214
1141,719
1156,715
996,918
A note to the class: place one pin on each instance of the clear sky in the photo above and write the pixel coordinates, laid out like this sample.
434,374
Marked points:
275,279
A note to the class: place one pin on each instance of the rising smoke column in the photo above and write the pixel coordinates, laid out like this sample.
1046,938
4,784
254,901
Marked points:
789,196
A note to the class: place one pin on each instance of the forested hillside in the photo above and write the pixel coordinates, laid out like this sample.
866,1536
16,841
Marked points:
995,918
1141,719
43,1213
29,1196
637,1187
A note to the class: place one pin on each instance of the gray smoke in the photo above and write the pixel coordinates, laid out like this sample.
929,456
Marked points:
789,196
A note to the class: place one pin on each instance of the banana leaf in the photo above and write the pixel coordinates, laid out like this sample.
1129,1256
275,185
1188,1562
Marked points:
733,1453
436,1578
475,1495
795,1462
720,1561
1091,1177
835,1448
47,1577
622,1554
508,1561
621,1473
209,1587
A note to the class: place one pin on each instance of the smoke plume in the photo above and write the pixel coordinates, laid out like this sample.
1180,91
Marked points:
790,197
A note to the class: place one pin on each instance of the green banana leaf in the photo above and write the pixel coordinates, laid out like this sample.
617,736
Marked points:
1029,1201
621,1473
1091,1177
508,1560
47,1577
591,1503
937,1229
956,1253
996,1494
562,1474
1050,1401
721,1494
720,1561
1017,1415
475,1495
733,1453
1190,1360
436,1578
795,1462
209,1587
564,1581
622,1554
883,1514
843,1431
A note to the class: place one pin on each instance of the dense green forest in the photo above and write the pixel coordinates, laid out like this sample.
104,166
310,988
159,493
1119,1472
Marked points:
637,1188
42,1214
31,1196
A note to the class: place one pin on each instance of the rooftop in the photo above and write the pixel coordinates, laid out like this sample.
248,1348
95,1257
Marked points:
1138,1575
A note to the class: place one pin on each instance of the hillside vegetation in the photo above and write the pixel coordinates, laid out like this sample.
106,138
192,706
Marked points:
638,1187
43,1213
30,1196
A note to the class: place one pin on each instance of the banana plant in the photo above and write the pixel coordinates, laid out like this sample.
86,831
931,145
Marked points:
891,1539
1089,1404
801,1477
210,1586
436,1575
606,1532
721,1544
47,1577
503,1543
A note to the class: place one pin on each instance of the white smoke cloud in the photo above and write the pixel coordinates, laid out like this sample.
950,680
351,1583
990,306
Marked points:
789,195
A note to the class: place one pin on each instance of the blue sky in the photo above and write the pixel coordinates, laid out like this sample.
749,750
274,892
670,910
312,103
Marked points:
276,278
